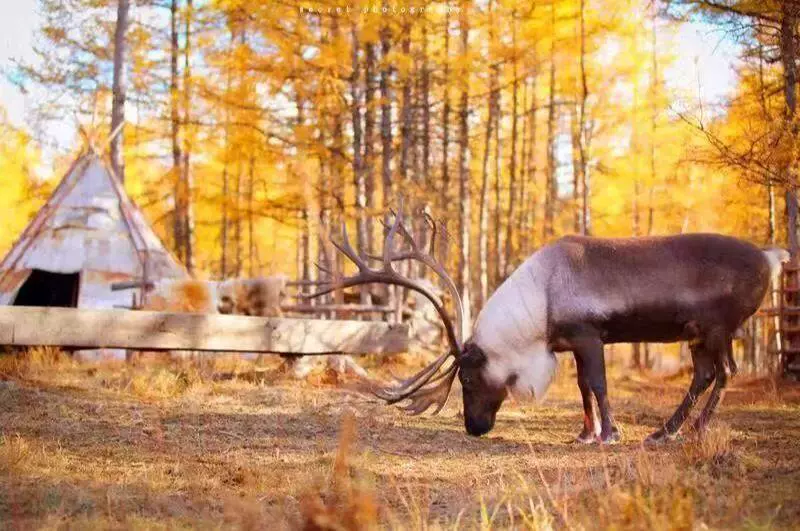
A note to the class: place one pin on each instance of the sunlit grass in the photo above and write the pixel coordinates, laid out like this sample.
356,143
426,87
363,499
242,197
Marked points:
34,361
223,443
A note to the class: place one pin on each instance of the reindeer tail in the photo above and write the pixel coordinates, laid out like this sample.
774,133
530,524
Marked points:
776,257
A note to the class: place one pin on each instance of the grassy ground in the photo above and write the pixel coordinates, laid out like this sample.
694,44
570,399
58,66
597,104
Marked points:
219,445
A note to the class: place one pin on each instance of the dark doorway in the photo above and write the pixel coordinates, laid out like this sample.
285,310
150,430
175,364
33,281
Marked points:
44,288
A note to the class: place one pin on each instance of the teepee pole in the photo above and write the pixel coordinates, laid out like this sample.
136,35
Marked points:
34,228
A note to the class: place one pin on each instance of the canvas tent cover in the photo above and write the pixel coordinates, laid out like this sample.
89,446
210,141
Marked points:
89,226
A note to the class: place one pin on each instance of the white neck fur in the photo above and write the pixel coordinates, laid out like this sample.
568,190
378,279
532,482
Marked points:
512,331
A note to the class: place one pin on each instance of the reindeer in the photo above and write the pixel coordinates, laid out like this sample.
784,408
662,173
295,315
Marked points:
579,294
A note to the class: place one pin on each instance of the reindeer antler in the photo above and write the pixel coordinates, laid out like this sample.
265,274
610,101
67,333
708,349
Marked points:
414,388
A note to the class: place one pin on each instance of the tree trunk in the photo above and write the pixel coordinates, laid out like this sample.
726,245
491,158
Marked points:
359,181
550,191
337,160
635,148
499,253
225,216
426,109
225,212
225,174
405,149
583,136
483,218
638,351
789,61
523,173
771,205
405,110
237,225
252,248
175,127
636,226
188,211
576,169
305,244
425,140
465,196
529,209
653,127
118,90
324,258
369,141
386,120
512,158
445,203
762,92
386,138
299,247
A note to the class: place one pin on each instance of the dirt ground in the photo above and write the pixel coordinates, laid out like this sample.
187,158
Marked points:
226,444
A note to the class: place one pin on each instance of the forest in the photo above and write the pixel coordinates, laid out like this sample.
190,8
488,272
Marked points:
250,130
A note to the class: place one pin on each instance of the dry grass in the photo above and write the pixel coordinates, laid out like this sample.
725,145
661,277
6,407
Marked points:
34,362
712,447
342,502
226,444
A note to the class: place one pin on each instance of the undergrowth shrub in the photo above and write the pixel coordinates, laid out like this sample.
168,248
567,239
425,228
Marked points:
639,506
19,453
343,502
711,451
33,361
15,451
651,492
153,382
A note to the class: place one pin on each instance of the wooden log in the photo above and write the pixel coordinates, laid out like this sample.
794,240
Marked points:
296,283
131,284
355,308
142,330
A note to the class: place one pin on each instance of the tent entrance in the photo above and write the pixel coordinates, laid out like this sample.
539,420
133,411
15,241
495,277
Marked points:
43,288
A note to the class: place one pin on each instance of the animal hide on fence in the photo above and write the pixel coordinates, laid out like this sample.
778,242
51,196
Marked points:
260,297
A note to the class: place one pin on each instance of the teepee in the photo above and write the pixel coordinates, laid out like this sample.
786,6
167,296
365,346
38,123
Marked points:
87,236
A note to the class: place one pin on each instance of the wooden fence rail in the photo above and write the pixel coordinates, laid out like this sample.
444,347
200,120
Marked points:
143,330
351,308
319,308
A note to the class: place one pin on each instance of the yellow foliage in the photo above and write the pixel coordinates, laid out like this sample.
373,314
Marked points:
266,121
19,200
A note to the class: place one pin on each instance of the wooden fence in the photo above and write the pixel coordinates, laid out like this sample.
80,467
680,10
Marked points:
22,326
756,343
341,305
327,307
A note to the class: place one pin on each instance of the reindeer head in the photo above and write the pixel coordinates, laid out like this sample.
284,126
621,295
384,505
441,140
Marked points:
482,397
431,386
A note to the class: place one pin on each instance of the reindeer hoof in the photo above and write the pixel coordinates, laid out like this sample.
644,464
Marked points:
586,438
659,438
611,438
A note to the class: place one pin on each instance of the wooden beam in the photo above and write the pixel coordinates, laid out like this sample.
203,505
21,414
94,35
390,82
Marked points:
131,284
300,283
355,308
142,330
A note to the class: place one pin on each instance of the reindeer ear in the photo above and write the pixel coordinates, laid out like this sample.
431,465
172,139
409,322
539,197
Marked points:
472,356
511,381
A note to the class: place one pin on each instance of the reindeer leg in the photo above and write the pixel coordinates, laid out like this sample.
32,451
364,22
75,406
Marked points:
590,349
703,365
591,425
718,392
